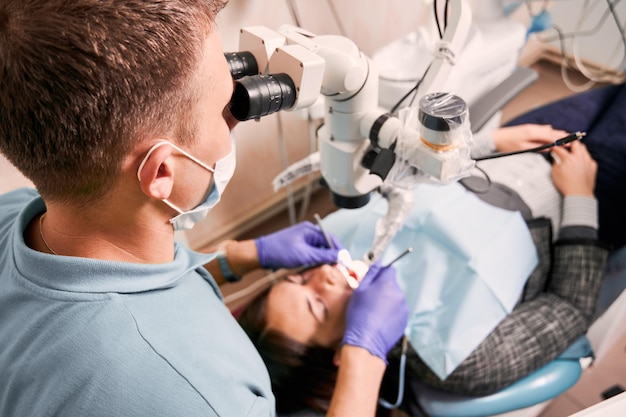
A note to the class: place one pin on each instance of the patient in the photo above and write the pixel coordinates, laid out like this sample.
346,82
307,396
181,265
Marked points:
297,323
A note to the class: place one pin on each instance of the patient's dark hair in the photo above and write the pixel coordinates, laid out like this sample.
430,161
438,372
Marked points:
303,377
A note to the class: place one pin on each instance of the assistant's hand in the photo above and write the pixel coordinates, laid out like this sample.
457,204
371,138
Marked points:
574,170
526,136
295,246
377,313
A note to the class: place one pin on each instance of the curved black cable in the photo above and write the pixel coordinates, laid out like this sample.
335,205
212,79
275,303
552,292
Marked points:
559,142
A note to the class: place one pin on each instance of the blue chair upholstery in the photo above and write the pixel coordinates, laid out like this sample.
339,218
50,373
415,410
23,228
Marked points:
544,384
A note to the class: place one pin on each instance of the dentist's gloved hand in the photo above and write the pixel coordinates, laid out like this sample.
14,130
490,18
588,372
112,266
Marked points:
295,246
377,312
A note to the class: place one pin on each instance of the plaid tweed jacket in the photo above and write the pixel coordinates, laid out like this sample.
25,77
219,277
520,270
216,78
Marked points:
555,309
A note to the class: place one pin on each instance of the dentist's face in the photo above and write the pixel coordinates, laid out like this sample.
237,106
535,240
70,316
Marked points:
214,84
310,307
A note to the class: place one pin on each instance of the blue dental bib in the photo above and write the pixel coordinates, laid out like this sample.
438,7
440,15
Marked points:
468,268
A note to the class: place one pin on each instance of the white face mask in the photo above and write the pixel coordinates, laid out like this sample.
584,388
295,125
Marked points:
222,173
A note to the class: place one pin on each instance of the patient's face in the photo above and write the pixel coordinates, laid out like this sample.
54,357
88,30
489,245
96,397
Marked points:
310,307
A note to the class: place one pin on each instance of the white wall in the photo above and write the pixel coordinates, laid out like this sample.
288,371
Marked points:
604,46
10,177
371,24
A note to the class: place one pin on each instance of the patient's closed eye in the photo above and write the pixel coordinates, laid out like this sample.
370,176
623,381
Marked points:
315,304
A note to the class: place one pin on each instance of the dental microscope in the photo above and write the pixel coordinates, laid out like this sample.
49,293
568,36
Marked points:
361,147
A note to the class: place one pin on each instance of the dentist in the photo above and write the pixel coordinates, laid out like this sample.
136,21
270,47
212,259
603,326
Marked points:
118,112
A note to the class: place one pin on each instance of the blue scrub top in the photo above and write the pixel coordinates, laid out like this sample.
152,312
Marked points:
90,337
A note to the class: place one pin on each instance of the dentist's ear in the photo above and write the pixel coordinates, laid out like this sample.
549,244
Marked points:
156,172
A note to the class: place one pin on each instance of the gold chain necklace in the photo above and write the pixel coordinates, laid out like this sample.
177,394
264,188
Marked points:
41,234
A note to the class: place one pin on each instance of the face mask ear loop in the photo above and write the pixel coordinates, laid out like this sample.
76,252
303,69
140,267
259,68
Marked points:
145,158
401,379
193,158
172,206
158,145
188,155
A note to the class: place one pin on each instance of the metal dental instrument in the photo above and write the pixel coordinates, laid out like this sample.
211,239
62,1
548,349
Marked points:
406,251
559,142
348,274
318,221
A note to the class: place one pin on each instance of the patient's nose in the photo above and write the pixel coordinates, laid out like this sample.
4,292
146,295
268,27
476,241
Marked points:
327,276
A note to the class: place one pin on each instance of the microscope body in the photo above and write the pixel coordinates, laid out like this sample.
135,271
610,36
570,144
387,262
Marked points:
359,143
350,94
334,67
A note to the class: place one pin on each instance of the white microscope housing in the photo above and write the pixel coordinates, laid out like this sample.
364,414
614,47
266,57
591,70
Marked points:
359,142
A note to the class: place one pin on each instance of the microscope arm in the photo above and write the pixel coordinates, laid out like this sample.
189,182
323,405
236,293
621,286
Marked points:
447,49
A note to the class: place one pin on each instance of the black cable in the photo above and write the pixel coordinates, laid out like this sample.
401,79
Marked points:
445,16
437,19
611,6
562,36
588,32
559,142
404,97
620,29
414,89
417,86
408,93
475,190
569,61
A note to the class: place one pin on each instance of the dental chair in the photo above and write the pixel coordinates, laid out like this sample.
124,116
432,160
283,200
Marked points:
600,113
530,395
526,397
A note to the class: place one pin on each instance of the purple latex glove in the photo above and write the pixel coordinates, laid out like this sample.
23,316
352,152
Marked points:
295,246
377,312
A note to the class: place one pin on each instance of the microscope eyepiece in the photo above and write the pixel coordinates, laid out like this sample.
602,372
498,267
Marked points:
241,64
259,95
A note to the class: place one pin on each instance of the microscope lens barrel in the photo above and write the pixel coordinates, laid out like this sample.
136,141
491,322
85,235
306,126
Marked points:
260,95
241,64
